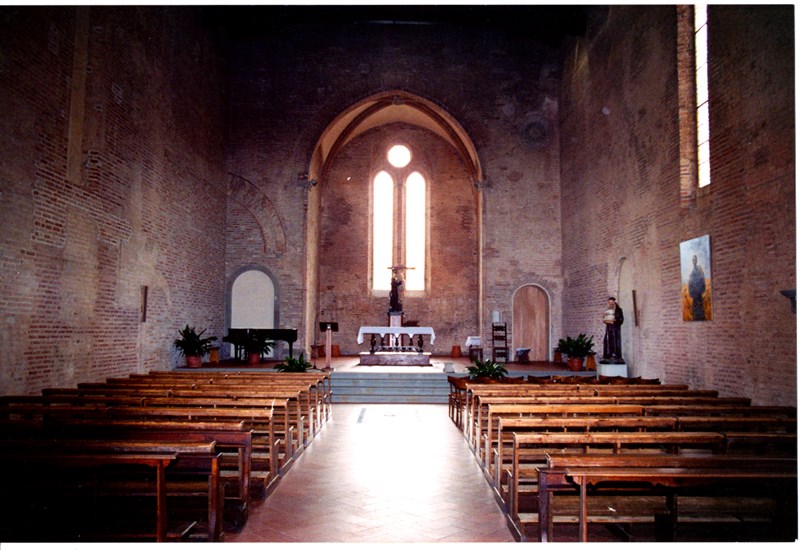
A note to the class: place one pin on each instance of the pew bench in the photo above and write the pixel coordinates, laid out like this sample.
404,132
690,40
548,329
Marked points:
192,471
530,451
610,488
233,441
501,449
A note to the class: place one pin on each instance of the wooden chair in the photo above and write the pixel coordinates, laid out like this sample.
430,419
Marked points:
499,342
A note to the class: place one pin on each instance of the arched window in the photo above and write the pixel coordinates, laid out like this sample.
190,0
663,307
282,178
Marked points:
399,222
701,90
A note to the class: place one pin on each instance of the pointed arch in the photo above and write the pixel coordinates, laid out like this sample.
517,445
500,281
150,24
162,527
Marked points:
252,199
380,109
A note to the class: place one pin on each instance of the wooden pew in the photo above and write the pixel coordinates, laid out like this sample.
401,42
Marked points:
274,447
483,402
317,383
192,461
530,449
512,392
501,451
16,528
662,476
228,436
547,409
270,395
266,457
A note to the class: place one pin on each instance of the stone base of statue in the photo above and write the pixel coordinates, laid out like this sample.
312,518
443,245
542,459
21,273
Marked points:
608,369
398,358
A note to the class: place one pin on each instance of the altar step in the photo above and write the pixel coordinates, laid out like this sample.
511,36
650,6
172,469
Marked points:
402,388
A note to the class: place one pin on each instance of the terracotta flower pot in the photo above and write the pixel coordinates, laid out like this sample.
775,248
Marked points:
575,363
193,361
253,358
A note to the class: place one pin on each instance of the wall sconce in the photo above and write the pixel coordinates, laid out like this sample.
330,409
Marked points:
302,178
792,295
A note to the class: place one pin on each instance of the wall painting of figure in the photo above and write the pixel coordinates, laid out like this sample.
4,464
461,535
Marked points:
696,279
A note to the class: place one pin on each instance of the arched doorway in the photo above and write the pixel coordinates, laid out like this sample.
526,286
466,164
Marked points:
252,300
531,328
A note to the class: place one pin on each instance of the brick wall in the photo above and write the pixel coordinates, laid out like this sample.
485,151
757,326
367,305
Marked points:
450,302
621,158
288,87
111,179
133,155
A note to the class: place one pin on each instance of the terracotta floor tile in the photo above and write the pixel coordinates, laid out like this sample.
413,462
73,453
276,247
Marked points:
381,473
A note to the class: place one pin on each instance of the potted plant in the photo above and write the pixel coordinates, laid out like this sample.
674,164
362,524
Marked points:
290,364
576,349
193,346
557,357
486,370
255,345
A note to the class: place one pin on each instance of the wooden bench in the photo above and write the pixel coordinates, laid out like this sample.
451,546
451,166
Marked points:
500,452
270,396
17,526
232,439
193,471
478,394
483,402
664,477
531,449
484,427
318,385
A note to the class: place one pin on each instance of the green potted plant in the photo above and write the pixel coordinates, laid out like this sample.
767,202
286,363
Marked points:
486,370
255,345
193,346
291,364
576,349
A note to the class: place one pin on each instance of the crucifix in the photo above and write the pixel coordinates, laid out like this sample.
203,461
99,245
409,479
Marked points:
395,306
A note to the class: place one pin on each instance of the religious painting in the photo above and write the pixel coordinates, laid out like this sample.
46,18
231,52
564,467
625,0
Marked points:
696,279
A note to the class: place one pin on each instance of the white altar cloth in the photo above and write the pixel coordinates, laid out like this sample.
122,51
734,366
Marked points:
383,331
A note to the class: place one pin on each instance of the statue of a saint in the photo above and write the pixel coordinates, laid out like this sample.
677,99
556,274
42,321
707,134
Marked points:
394,296
697,287
612,342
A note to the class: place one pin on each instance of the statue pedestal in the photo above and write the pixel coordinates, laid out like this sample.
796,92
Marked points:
608,369
396,319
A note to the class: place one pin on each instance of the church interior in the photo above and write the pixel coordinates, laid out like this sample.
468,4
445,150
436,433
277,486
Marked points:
427,174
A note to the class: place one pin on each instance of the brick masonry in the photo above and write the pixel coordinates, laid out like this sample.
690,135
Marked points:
620,158
177,166
147,205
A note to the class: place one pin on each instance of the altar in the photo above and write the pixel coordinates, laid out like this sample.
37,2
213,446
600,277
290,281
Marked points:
392,348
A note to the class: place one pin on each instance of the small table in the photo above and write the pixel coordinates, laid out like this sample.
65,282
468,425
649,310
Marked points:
475,348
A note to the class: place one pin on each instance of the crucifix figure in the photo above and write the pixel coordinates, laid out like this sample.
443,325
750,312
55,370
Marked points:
395,306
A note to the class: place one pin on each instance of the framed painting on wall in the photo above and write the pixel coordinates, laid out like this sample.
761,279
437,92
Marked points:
696,279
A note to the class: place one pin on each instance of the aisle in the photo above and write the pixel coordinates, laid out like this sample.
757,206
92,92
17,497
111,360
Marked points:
381,473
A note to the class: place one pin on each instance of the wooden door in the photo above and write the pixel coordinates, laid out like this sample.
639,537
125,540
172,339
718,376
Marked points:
531,328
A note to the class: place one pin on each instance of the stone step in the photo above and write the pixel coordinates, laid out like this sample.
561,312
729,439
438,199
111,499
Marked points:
389,387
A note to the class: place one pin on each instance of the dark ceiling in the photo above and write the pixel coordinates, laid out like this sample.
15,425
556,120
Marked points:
548,23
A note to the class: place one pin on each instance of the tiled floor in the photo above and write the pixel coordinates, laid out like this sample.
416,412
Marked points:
381,473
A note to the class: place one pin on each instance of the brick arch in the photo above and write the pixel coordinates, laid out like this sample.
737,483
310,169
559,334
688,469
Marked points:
455,114
252,199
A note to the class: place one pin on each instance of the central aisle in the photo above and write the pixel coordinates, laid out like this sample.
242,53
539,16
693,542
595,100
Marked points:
381,473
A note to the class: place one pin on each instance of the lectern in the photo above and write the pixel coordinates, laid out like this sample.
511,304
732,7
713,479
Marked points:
328,327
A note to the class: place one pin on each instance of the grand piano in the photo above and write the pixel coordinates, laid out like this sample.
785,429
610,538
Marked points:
238,337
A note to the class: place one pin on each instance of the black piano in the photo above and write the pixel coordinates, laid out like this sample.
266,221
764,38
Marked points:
239,336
